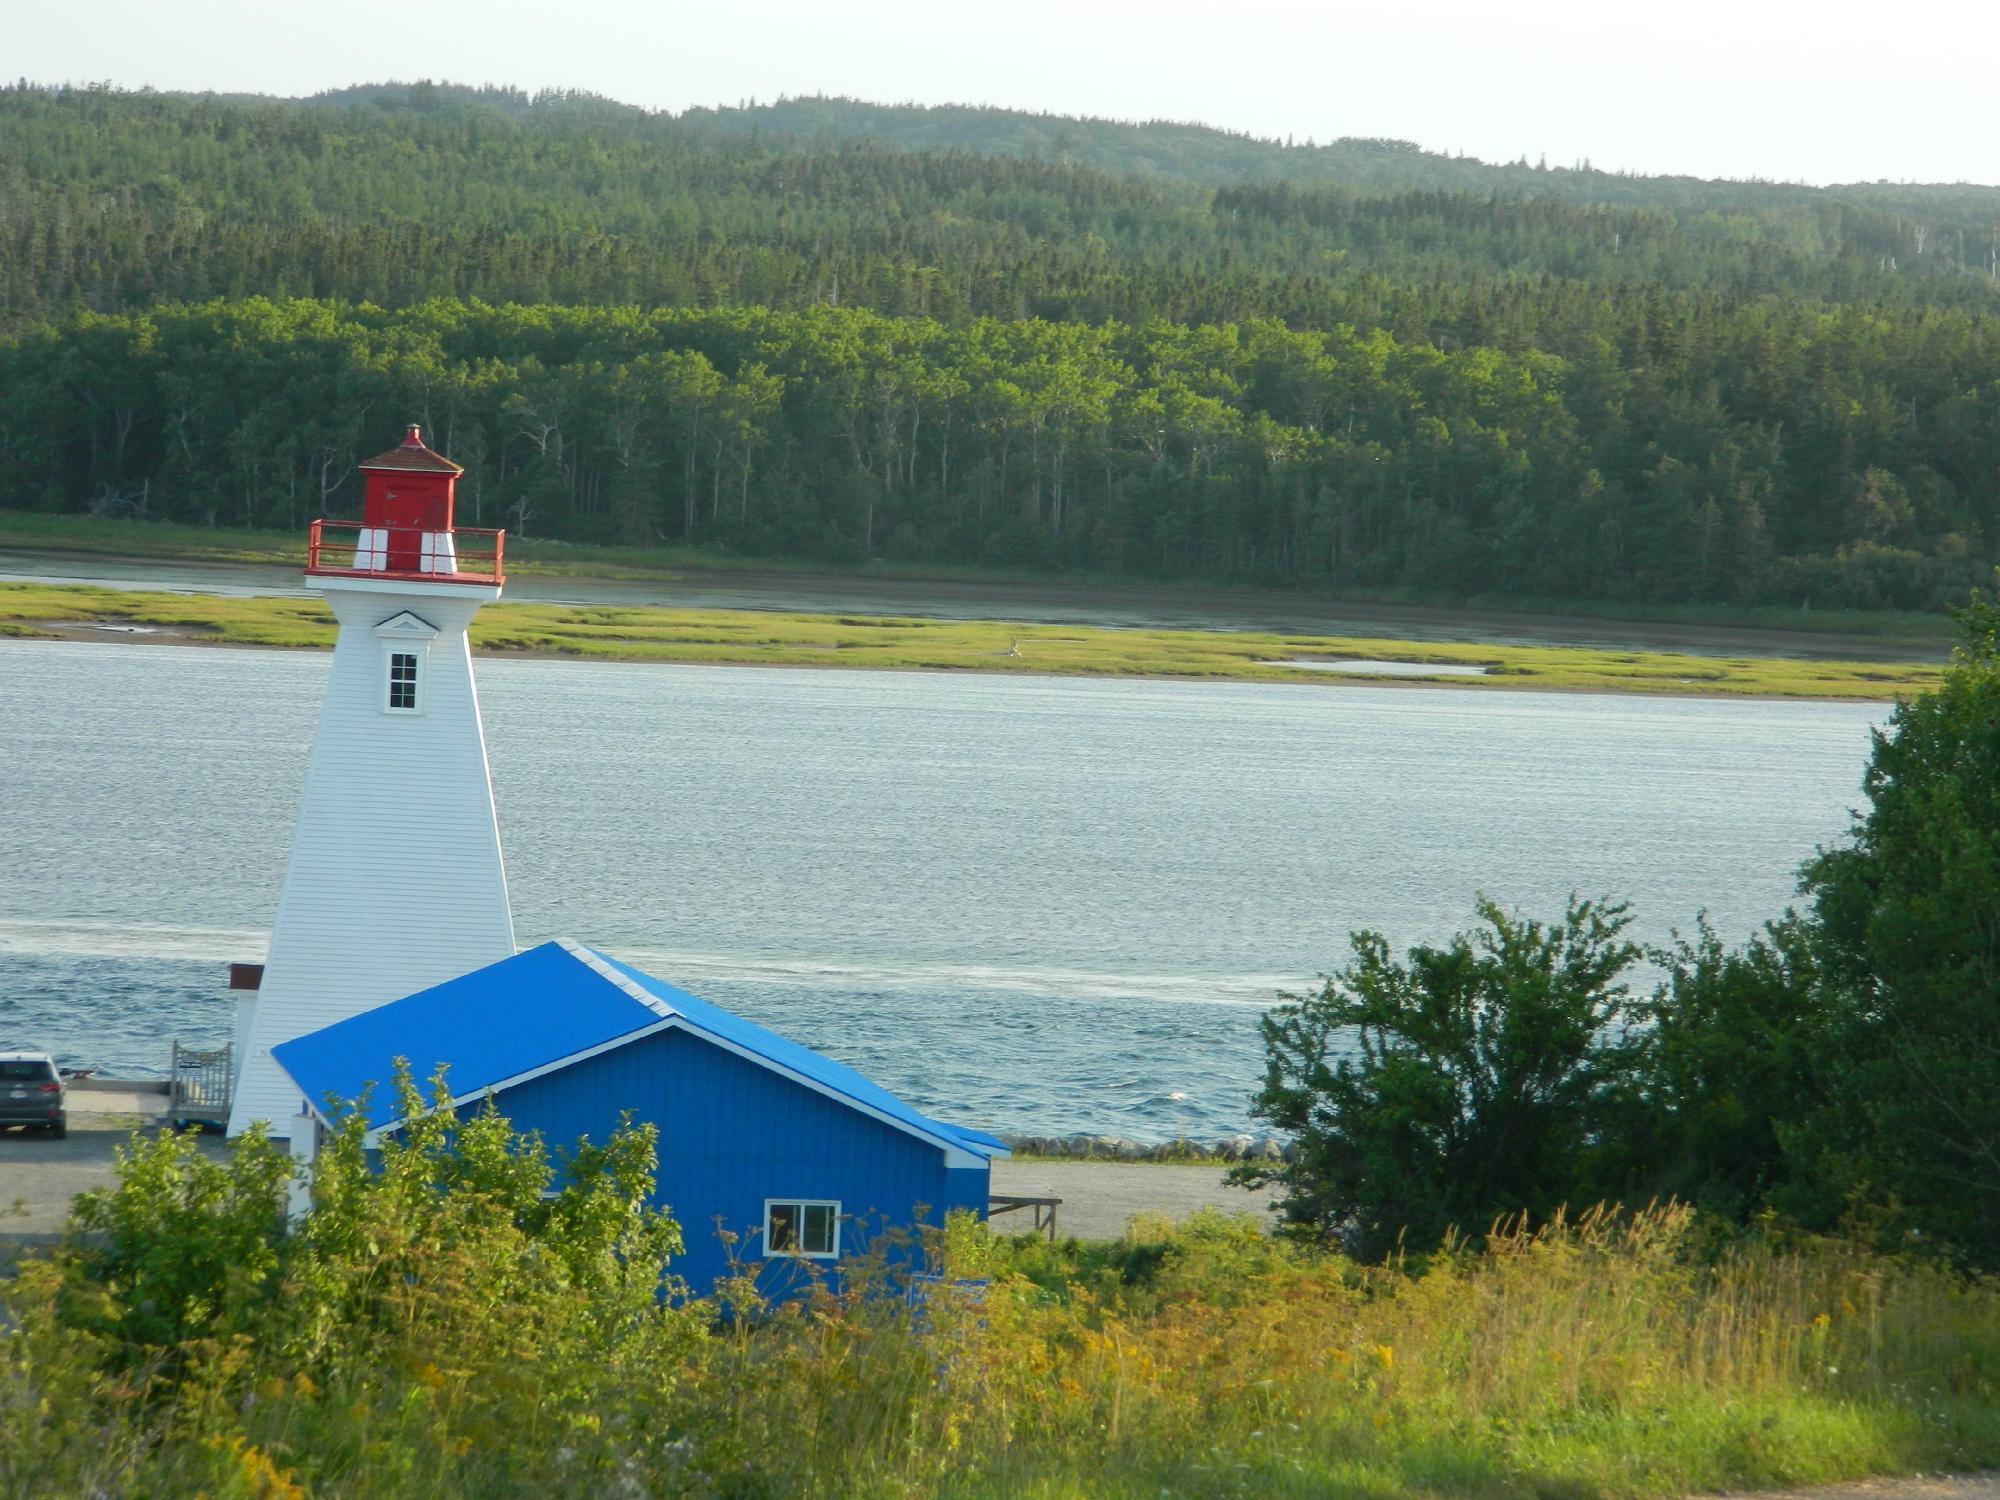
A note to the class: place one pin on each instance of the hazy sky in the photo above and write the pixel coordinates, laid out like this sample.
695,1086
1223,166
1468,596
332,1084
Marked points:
1819,92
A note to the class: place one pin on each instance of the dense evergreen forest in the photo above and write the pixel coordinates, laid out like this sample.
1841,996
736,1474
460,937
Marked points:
841,331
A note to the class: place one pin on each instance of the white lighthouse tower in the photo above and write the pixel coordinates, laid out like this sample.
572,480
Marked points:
395,881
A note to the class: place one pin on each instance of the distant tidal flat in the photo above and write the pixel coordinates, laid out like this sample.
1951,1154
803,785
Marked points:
1044,904
662,633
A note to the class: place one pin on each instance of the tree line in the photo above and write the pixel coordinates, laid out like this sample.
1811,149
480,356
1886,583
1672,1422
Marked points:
1825,458
824,330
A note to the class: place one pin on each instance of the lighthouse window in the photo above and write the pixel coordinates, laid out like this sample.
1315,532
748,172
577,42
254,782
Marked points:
402,682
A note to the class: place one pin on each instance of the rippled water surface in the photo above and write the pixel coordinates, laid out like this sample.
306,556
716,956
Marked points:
1032,903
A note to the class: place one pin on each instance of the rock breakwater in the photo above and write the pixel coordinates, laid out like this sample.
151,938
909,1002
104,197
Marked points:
1081,1147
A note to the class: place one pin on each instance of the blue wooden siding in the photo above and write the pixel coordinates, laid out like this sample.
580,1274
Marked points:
732,1134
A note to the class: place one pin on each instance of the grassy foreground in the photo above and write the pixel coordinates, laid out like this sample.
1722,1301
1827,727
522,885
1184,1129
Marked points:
757,638
445,1329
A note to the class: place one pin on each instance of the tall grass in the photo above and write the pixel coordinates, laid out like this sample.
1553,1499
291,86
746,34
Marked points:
1612,1355
1595,1357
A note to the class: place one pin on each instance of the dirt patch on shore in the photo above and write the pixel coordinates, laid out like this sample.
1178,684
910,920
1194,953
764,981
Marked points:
1099,1198
131,633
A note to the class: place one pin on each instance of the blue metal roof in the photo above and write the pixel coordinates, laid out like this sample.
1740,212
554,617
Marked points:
787,1054
528,1014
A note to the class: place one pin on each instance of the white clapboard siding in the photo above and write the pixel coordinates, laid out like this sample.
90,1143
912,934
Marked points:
395,881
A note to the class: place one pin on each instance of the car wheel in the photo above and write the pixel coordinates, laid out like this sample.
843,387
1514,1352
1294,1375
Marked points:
60,1130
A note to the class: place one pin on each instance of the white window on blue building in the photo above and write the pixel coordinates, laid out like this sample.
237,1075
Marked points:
802,1226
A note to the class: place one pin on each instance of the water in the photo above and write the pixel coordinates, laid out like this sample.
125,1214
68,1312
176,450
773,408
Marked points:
1029,903
1352,666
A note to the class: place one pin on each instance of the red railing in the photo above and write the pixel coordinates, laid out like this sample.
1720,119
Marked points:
464,554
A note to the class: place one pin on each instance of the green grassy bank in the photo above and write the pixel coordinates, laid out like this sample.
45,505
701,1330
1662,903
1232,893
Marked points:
758,638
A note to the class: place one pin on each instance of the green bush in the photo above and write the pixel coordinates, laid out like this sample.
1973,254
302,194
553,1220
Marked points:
450,1318
1468,1083
1906,933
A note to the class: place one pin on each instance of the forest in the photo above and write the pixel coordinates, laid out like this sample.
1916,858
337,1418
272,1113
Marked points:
840,332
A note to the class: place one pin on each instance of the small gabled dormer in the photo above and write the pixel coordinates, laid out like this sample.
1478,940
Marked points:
406,647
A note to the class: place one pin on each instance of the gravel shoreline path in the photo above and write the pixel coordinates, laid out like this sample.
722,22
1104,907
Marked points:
1985,1486
1099,1198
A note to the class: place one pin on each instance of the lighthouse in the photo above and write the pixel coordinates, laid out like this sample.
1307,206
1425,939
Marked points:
395,881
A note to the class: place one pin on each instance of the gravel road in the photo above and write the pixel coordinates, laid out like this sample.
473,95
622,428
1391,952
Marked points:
38,1176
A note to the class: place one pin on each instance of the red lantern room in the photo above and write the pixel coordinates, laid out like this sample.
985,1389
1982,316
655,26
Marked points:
405,529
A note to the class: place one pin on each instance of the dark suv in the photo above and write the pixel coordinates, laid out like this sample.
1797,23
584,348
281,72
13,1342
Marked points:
32,1093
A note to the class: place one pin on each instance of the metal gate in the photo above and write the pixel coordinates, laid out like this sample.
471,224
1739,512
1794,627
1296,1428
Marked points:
200,1085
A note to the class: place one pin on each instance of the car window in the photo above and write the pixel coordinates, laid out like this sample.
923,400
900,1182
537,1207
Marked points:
40,1072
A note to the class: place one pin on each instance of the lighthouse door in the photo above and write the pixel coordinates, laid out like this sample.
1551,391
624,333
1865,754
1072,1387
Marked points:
405,548
402,514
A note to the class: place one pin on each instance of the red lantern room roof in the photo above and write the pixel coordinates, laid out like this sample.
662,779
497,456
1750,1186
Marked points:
412,456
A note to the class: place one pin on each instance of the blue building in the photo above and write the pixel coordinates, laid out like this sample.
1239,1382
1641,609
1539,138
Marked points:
801,1156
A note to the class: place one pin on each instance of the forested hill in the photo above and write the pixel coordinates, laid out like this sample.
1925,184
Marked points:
1173,150
392,194
970,336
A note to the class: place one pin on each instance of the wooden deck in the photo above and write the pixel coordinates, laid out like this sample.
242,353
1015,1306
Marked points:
1044,1210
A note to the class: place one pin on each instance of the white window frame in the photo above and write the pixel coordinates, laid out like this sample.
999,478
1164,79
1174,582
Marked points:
415,652
802,1204
404,634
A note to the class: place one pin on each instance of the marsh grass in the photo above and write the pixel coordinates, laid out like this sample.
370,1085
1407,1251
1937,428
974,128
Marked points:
758,638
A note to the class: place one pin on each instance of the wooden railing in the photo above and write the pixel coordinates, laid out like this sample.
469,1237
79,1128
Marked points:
354,549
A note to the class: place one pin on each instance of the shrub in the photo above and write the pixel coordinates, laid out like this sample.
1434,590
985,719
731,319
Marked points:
1906,933
452,1316
1469,1082
1729,1065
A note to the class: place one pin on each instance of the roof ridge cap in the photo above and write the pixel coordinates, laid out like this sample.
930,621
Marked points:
599,965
